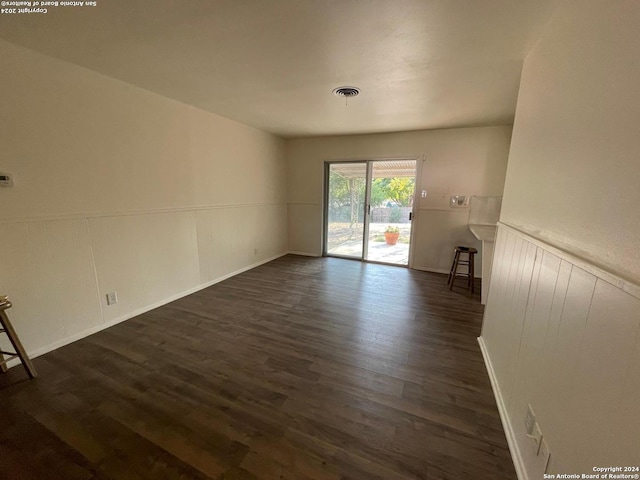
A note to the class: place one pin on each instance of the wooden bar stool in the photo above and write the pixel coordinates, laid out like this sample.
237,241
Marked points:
469,262
15,341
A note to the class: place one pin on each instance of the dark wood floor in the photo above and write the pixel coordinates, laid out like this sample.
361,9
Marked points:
302,368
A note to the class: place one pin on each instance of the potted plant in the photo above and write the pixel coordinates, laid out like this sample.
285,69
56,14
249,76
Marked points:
391,235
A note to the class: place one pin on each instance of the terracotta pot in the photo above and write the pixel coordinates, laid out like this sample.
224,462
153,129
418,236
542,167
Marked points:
391,238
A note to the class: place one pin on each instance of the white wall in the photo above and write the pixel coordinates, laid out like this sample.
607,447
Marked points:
574,169
467,161
117,188
562,324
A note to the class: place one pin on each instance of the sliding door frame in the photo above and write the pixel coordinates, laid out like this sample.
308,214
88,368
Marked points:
325,208
367,212
367,207
417,194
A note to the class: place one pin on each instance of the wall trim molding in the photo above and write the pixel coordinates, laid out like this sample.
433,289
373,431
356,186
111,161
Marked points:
516,456
587,265
83,216
103,326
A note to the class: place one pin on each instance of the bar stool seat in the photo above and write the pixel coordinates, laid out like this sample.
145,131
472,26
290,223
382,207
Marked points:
469,262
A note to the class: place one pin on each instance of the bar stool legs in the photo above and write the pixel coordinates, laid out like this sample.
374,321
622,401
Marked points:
20,352
469,262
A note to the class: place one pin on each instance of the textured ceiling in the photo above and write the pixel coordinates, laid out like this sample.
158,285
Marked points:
272,64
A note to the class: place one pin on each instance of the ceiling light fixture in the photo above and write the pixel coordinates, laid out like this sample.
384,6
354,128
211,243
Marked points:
346,92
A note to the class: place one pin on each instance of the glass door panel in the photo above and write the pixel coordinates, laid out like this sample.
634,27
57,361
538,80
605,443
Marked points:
345,209
392,191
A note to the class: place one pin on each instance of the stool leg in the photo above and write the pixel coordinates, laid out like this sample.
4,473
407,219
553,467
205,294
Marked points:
3,366
472,271
453,264
454,269
17,345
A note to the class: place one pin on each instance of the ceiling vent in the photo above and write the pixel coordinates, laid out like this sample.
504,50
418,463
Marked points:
347,92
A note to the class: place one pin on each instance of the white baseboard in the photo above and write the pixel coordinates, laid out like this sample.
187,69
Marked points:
504,417
432,270
85,333
441,270
304,254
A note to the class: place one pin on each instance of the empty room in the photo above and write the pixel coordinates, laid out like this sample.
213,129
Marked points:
318,239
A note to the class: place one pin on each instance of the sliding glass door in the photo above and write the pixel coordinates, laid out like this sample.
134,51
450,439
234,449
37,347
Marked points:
369,209
391,211
345,209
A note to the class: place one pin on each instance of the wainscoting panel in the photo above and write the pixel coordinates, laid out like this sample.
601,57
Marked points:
48,273
437,234
564,338
232,238
58,271
145,258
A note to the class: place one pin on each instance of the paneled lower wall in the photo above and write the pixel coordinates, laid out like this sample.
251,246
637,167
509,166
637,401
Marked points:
439,230
305,228
563,336
57,272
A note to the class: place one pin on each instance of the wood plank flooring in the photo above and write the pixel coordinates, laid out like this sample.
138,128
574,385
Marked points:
299,369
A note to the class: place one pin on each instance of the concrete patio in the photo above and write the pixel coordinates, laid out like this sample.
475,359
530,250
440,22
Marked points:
347,241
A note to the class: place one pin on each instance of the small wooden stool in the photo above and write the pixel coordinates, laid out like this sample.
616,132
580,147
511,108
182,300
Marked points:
470,266
15,341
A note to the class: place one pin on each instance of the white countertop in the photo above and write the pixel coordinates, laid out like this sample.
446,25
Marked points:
486,233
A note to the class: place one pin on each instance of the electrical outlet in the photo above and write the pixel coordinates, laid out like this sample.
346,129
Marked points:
536,437
544,455
530,420
6,180
112,298
255,251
